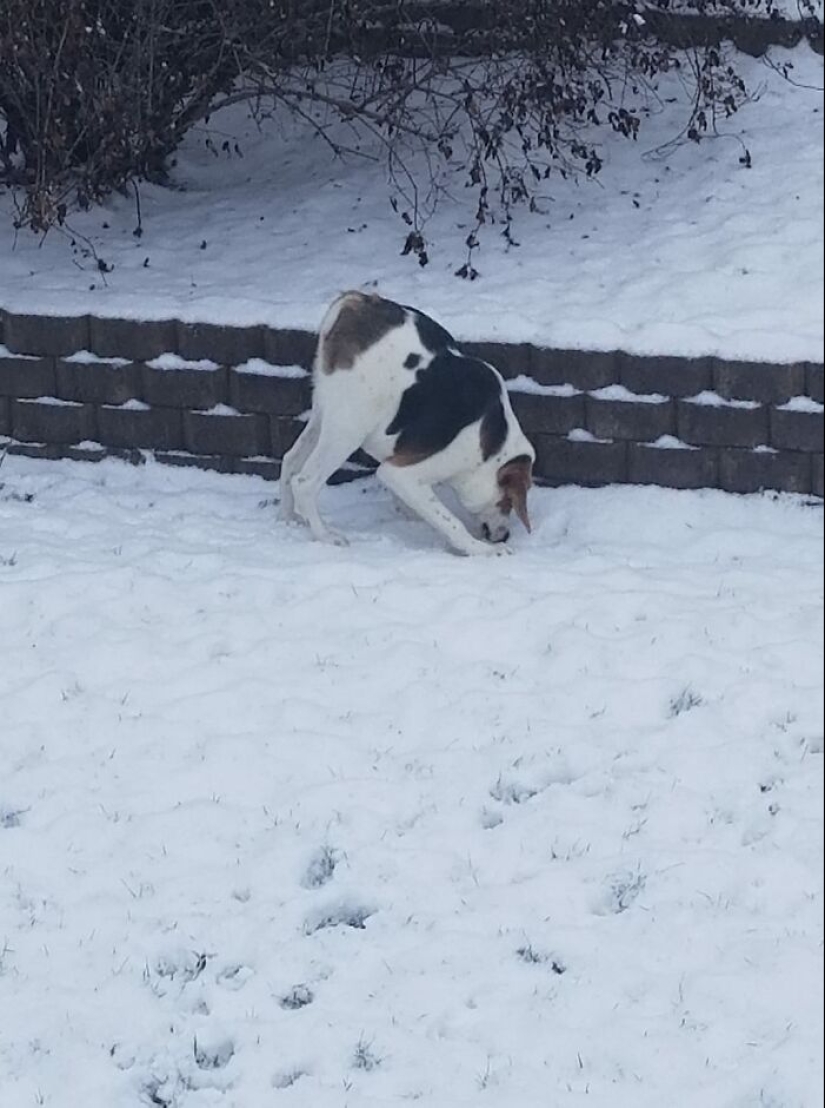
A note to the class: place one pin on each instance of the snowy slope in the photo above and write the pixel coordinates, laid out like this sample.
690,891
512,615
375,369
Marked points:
669,251
289,825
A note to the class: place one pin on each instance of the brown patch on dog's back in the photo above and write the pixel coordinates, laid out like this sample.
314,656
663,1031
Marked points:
362,321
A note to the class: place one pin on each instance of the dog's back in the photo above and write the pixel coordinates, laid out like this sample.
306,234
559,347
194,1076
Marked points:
353,323
409,371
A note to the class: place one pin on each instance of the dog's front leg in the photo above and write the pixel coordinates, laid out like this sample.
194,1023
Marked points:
420,498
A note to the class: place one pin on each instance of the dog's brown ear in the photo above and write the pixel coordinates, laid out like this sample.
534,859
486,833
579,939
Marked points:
514,479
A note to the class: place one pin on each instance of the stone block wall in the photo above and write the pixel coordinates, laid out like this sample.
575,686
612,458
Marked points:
233,398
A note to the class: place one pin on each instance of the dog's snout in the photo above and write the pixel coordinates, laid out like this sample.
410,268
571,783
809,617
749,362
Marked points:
497,534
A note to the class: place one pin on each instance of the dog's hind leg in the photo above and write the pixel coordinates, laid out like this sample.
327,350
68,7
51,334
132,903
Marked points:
294,461
420,498
332,448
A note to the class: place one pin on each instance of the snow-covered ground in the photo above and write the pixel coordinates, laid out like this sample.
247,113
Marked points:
681,251
289,825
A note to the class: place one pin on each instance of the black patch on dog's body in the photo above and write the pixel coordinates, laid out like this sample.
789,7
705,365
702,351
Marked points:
449,394
433,336
493,429
412,361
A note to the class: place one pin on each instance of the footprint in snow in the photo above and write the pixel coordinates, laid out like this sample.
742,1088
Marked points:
181,966
513,792
299,996
321,868
213,1054
623,890
11,817
519,788
288,1078
491,819
233,977
342,914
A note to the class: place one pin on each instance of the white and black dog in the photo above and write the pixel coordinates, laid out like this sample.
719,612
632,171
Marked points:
390,380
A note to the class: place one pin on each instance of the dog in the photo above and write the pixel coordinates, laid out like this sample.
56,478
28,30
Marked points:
393,382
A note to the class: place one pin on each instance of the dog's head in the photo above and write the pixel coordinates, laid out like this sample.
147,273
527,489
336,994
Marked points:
513,480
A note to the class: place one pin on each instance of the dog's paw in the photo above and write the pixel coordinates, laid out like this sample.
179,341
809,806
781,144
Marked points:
485,549
332,538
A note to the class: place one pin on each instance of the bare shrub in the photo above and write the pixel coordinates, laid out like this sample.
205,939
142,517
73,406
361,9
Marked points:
95,94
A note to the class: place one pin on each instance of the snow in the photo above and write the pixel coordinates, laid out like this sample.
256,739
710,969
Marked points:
6,353
265,369
711,399
803,404
87,357
624,396
282,824
54,401
176,362
670,442
581,434
130,406
671,251
522,383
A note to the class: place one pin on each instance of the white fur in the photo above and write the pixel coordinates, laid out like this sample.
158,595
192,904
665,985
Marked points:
352,408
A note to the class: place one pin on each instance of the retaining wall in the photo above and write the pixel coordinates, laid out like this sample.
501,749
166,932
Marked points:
477,23
231,399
